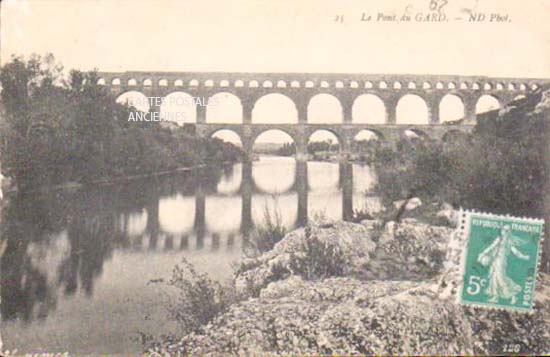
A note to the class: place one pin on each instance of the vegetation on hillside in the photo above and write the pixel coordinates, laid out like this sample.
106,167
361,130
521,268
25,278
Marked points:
59,130
499,168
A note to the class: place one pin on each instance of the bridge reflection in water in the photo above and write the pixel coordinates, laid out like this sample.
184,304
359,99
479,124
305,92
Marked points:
100,243
211,217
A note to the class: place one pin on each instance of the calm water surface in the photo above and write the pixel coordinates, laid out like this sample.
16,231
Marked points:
77,269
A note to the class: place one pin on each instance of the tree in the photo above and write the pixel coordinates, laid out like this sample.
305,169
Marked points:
500,168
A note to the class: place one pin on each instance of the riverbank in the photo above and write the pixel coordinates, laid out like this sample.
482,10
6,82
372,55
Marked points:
369,288
11,188
334,158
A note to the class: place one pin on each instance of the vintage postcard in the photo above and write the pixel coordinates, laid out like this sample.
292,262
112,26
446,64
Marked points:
261,177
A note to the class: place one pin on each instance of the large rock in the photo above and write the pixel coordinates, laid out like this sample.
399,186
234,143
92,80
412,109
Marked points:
352,242
351,317
409,250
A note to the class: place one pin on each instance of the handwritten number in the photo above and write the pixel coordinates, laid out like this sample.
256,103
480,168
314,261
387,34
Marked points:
437,5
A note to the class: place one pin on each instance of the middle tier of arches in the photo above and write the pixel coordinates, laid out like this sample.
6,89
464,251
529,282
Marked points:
320,108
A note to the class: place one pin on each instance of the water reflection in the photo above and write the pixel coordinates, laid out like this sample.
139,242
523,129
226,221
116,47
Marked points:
58,243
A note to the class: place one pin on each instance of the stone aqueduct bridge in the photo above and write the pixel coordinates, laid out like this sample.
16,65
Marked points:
301,87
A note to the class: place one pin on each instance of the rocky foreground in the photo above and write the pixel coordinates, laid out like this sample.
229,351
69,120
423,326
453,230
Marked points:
356,289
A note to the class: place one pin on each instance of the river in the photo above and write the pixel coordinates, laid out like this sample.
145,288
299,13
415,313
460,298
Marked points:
77,270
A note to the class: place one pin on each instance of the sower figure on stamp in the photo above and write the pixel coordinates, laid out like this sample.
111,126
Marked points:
496,255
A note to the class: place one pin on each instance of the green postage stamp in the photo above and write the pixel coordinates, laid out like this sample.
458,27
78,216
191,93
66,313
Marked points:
500,261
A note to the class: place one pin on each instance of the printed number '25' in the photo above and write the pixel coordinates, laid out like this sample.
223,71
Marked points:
474,285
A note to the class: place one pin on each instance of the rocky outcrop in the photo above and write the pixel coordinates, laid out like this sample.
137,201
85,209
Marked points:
351,243
408,250
364,312
351,317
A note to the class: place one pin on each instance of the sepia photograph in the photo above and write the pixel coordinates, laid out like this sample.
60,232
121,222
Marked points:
274,177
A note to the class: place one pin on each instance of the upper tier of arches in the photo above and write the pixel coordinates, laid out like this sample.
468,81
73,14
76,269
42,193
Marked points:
380,82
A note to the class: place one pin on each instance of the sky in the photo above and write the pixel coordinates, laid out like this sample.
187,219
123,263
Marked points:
279,36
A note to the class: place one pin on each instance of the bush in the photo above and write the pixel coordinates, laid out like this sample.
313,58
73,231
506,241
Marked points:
317,260
199,298
271,232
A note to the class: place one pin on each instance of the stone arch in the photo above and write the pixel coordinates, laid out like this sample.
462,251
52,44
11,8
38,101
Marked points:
476,86
368,108
176,223
368,85
224,107
285,134
323,140
178,83
534,86
339,84
209,83
324,84
439,85
310,84
280,141
224,83
324,108
412,109
364,141
411,85
511,86
263,178
463,85
253,84
486,103
487,86
229,184
239,83
273,108
397,85
132,82
194,83
295,84
101,81
135,99
368,134
426,85
353,84
500,86
163,82
228,135
451,107
179,107
267,84
222,212
519,97
382,85
522,87
281,84
451,85
411,133
115,81
147,82
137,223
